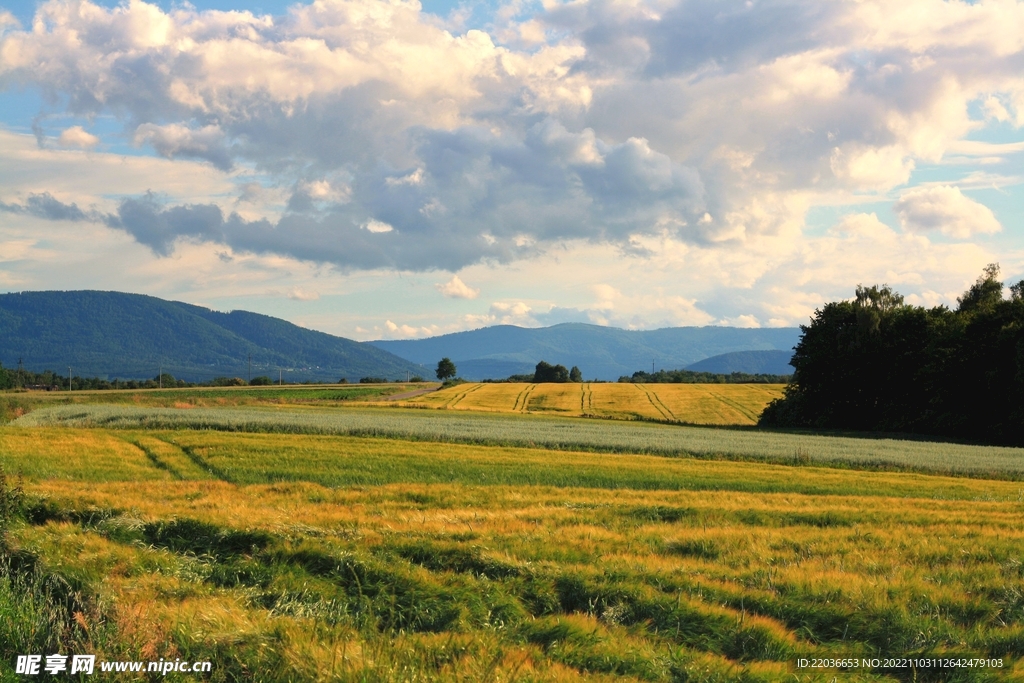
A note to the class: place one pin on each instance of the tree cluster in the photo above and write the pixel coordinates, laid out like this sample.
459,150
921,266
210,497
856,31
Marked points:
547,373
878,364
692,377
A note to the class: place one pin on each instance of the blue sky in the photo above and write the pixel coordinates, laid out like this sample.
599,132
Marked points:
389,169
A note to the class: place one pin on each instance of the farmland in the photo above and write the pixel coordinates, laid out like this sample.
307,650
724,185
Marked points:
298,557
702,404
323,539
554,433
15,404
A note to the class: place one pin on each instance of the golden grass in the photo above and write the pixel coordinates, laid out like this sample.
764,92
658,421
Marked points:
703,404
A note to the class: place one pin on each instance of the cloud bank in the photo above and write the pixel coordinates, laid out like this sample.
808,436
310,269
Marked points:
691,135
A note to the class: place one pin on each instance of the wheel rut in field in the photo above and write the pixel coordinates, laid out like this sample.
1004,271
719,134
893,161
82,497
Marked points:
168,457
739,407
201,462
458,397
587,400
523,399
656,403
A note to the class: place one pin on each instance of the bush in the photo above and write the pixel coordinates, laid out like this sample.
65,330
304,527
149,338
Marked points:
226,382
373,380
261,381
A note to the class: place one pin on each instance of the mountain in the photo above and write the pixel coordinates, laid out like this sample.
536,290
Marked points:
750,362
131,336
600,352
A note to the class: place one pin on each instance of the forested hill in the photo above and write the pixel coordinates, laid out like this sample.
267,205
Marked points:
111,334
600,352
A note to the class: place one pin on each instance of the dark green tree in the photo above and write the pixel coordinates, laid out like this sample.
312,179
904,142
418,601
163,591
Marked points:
261,381
575,375
446,369
984,294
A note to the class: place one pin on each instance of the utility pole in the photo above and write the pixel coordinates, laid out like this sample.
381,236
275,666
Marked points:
250,368
160,377
69,379
280,377
21,376
652,367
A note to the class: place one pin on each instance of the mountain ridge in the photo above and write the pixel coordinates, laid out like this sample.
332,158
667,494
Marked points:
134,336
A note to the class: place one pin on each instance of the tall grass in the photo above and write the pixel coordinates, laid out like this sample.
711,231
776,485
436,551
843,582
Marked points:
297,582
560,434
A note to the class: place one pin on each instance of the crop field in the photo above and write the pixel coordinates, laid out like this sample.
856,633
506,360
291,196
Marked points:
296,557
700,404
554,433
13,405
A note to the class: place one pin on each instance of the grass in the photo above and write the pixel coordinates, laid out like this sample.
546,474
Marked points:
314,558
699,404
557,434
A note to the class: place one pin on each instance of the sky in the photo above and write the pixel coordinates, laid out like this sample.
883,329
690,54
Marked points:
389,169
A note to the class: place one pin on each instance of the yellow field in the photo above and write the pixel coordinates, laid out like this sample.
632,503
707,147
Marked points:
702,404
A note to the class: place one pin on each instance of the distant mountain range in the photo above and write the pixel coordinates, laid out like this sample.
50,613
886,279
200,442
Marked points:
604,352
130,336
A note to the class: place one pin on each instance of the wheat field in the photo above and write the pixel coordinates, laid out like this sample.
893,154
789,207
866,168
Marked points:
700,404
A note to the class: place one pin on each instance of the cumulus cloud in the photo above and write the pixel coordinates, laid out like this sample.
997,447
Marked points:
945,209
457,289
76,136
395,330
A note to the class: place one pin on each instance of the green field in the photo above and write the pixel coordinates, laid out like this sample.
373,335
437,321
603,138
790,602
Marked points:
318,543
557,434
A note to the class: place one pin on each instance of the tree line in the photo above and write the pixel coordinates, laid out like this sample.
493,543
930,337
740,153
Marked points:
876,363
693,377
52,381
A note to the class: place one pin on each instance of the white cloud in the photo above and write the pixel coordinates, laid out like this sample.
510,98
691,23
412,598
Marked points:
944,209
76,136
377,227
457,289
409,331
